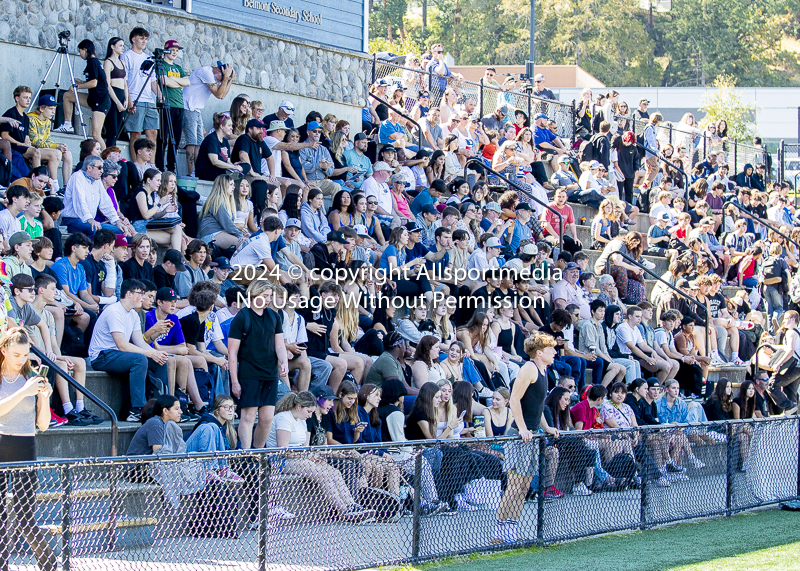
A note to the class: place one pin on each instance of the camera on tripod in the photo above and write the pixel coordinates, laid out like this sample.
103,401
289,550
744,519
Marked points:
158,54
63,37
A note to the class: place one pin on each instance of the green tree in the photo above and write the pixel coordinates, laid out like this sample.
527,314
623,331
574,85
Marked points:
386,19
726,103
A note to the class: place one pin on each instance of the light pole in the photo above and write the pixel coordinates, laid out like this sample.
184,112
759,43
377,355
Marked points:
529,64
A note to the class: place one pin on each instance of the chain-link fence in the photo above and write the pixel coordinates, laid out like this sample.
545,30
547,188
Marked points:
357,507
789,163
485,98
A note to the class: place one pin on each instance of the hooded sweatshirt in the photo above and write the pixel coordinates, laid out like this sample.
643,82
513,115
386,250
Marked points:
748,180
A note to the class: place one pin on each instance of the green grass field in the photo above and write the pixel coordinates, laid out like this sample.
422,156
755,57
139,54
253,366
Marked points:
763,540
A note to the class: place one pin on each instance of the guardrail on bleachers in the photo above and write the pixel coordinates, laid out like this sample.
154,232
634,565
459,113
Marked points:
487,98
293,508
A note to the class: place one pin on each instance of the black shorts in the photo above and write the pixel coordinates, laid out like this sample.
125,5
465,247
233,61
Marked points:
656,251
100,105
256,393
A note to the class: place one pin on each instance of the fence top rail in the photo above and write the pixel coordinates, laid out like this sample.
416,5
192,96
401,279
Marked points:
278,452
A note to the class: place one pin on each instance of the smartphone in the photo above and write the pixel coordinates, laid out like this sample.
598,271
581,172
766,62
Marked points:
43,370
302,346
462,415
361,425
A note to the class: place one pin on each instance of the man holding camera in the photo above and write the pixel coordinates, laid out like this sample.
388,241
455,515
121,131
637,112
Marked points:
142,85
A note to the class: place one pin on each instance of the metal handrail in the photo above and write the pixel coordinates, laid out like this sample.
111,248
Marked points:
402,114
87,393
670,286
748,215
660,157
523,191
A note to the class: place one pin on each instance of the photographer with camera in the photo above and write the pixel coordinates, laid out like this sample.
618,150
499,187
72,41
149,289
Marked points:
203,83
142,85
175,79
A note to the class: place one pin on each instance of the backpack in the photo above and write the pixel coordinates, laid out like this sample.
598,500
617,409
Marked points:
587,151
774,274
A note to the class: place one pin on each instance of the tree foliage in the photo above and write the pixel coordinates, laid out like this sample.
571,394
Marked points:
726,103
613,39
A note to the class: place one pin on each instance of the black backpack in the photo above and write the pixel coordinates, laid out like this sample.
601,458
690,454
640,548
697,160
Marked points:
587,151
774,267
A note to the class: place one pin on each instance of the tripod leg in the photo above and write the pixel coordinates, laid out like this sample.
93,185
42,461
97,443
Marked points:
35,99
77,99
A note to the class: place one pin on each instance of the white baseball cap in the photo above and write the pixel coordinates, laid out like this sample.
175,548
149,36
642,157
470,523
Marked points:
493,242
382,166
361,230
287,107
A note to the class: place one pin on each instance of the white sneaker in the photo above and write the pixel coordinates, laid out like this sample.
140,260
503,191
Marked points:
737,362
229,475
486,392
647,264
65,128
696,463
581,490
715,362
278,512
464,505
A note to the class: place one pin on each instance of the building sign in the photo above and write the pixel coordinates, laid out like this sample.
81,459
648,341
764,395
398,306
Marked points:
286,11
336,23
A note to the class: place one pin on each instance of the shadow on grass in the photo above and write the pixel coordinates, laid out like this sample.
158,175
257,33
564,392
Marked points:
673,548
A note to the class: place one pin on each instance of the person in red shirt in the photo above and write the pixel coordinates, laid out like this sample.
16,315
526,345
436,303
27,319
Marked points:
551,222
586,414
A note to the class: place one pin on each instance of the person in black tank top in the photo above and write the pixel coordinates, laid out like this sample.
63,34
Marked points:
521,460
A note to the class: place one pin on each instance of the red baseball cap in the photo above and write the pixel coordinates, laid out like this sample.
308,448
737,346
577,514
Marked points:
172,44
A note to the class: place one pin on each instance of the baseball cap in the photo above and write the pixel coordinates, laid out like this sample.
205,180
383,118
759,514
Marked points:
360,229
665,216
571,266
563,159
287,107
293,223
172,44
523,206
166,294
360,137
175,257
122,242
222,263
540,116
538,77
682,283
474,117
325,392
652,382
381,166
313,125
412,227
595,165
429,209
383,82
254,123
644,101
503,109
693,285
707,221
336,236
19,238
47,101
493,242
398,178
493,206
275,125
530,249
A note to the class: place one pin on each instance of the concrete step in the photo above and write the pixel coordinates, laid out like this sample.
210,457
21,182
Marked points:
661,264
587,212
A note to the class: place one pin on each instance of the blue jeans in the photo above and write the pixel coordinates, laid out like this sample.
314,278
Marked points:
774,301
578,366
749,282
136,366
77,225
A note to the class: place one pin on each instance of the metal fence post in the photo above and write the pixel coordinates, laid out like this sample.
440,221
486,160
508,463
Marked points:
5,484
530,120
417,521
374,65
643,495
735,157
480,97
574,123
780,160
66,516
540,495
113,509
263,510
729,470
798,457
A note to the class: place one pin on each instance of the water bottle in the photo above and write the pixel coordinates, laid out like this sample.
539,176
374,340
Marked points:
480,428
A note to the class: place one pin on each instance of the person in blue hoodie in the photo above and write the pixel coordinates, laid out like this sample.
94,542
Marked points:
748,179
215,432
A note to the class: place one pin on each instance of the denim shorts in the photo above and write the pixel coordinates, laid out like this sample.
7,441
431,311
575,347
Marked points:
145,118
140,226
192,128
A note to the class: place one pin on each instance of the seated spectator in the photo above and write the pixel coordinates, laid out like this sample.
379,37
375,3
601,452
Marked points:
312,217
50,152
289,430
18,198
193,272
686,346
580,456
628,277
137,267
217,215
143,151
85,196
95,266
214,155
592,339
19,255
486,255
202,332
159,418
631,342
162,225
29,219
550,223
16,125
117,347
317,163
251,149
215,431
164,273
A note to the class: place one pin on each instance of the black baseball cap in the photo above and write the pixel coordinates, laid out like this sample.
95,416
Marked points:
176,258
166,294
254,123
222,263
523,206
360,136
325,392
336,236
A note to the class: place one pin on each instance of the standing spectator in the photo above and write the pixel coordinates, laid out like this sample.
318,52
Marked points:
318,163
97,98
143,116
203,82
117,346
651,152
118,88
439,73
522,458
175,79
539,90
258,362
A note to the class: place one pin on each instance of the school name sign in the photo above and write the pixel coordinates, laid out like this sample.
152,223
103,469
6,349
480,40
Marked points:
298,16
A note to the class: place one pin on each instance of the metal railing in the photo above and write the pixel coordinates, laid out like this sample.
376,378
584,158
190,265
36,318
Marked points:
673,288
519,188
661,158
84,391
270,509
759,220
404,115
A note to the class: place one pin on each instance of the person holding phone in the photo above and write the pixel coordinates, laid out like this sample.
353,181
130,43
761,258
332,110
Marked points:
24,407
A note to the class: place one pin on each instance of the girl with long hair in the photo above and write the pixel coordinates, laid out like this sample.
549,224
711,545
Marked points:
442,325
381,470
603,225
145,205
426,367
436,167
217,215
244,219
404,273
628,277
343,334
448,104
97,99
476,336
118,92
371,219
240,115
500,417
24,408
571,450
214,156
342,212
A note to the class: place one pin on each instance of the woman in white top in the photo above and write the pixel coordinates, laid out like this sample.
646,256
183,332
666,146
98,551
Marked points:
443,328
289,430
446,411
448,105
244,207
426,367
452,164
